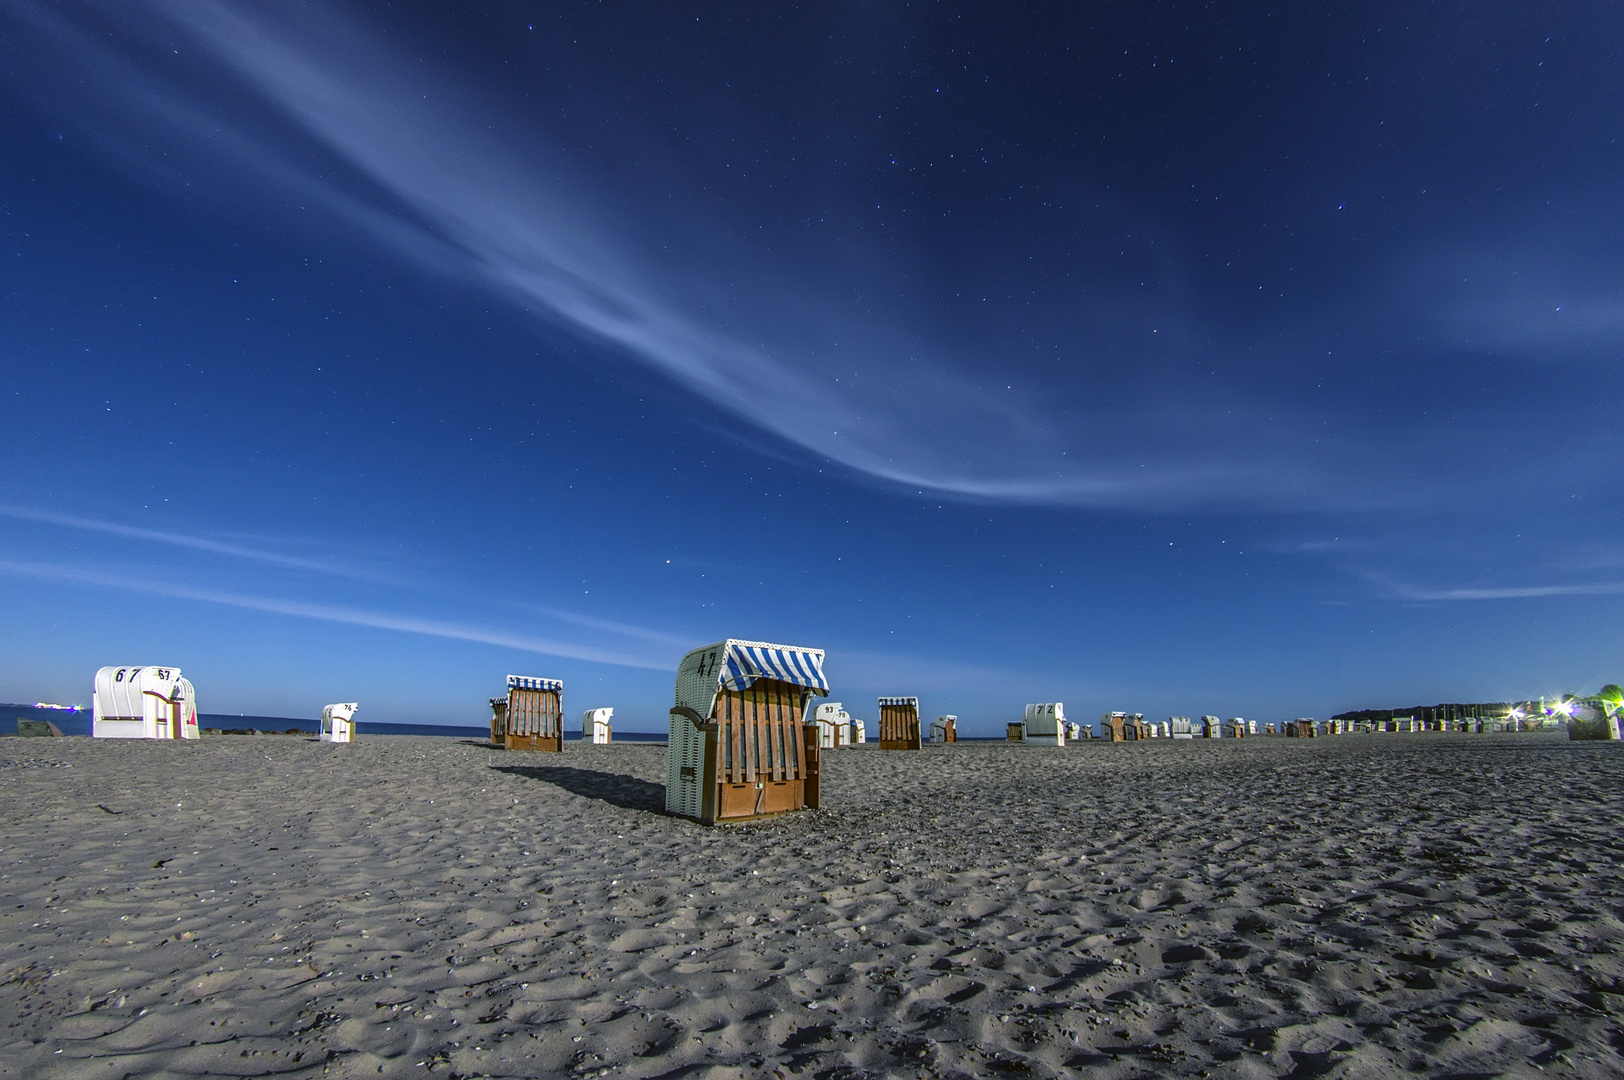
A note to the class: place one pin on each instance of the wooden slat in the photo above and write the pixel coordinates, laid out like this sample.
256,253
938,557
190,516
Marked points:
780,726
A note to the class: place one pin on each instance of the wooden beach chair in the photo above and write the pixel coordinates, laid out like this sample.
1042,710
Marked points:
899,723
1114,726
531,717
739,748
1237,727
1014,731
338,722
1045,723
944,729
143,703
596,726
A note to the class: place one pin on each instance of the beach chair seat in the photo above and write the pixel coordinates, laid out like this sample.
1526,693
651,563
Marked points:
150,702
1594,718
338,722
830,718
739,745
531,717
1045,724
596,726
899,723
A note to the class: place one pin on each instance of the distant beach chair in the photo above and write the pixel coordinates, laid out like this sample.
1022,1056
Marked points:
899,723
1237,727
1211,728
338,722
531,717
859,732
1179,727
1074,730
1594,718
739,748
1302,728
1045,723
1014,731
1114,726
596,728
1139,727
831,720
944,729
143,703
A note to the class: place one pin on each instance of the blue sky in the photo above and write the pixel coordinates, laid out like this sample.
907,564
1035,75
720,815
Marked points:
1157,359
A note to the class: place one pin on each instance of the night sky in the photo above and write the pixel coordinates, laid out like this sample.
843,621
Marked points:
1255,360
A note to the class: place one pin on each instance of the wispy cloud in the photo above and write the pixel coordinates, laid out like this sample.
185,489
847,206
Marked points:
193,543
37,571
1513,592
795,354
652,640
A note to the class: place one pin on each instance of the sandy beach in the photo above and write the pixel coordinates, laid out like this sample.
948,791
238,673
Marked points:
412,906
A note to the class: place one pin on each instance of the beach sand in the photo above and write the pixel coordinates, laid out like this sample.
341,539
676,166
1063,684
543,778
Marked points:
1350,906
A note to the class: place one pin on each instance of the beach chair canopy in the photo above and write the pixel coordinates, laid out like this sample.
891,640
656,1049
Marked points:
342,711
530,682
903,701
121,692
736,665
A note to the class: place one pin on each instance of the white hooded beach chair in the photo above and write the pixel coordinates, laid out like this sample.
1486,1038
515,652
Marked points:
1211,728
944,729
859,732
531,717
143,703
1237,727
1045,723
338,722
595,727
830,717
1074,730
899,723
1181,727
739,748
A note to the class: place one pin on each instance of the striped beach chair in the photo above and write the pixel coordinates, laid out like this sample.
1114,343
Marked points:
531,717
739,745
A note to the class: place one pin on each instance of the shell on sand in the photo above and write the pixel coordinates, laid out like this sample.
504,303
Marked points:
426,906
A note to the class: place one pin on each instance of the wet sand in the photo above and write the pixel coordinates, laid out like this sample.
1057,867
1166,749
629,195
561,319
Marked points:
1349,906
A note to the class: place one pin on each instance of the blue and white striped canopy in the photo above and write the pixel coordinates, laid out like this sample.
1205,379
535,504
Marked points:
530,682
900,701
745,662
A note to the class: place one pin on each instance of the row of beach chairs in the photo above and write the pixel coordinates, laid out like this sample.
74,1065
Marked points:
742,743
